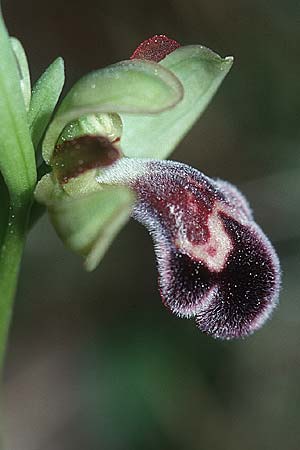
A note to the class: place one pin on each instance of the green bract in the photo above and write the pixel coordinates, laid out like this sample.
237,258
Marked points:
21,58
16,150
141,106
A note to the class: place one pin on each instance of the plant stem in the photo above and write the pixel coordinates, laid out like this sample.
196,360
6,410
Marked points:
10,258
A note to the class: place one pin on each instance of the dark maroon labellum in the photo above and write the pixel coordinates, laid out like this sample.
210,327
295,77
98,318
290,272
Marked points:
214,262
74,157
155,48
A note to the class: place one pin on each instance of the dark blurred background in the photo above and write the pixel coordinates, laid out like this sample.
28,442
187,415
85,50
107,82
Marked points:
95,361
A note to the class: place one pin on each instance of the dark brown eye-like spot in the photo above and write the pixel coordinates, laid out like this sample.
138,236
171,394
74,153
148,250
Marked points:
155,48
214,262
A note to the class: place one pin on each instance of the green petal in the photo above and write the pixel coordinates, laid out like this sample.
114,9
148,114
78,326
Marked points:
200,71
106,125
45,95
23,70
129,86
86,224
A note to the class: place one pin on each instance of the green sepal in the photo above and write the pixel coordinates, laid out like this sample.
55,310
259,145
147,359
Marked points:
129,86
200,71
87,224
45,95
24,73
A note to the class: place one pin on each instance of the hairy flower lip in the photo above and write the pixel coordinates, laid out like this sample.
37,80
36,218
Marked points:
243,326
230,297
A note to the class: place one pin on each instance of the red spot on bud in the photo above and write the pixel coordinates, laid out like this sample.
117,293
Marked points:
155,48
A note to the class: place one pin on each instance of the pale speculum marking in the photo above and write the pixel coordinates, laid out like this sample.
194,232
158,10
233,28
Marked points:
215,251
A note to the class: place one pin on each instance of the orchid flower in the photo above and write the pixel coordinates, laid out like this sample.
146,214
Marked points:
106,146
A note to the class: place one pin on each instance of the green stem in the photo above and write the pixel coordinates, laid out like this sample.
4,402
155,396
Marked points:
10,258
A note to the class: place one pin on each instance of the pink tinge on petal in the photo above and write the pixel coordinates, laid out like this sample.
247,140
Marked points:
155,48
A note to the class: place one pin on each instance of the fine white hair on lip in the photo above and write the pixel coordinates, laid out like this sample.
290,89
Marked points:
235,198
214,262
124,171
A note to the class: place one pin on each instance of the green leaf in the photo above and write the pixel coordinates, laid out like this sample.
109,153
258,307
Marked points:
23,70
18,169
129,86
200,71
45,95
17,161
86,224
4,202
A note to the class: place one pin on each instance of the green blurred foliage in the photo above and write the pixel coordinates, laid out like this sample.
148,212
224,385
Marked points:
95,360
